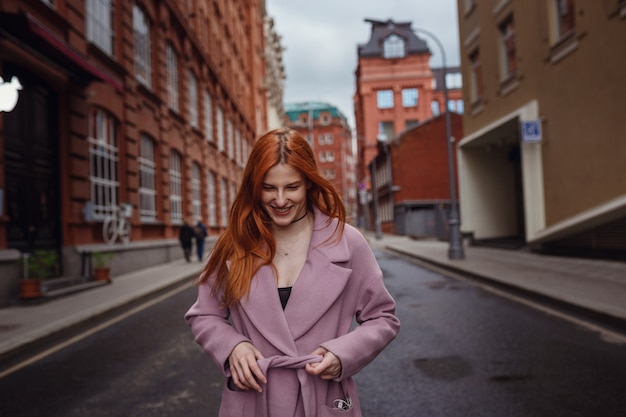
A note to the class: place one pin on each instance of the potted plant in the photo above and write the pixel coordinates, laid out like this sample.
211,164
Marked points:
40,264
101,261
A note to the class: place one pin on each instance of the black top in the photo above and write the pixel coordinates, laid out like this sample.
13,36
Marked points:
284,294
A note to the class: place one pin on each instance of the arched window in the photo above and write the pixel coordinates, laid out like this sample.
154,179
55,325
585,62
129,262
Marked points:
103,163
393,47
147,180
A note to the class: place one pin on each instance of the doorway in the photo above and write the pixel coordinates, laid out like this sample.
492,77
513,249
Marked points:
31,142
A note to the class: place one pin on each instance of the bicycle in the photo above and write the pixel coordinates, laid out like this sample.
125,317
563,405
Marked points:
118,224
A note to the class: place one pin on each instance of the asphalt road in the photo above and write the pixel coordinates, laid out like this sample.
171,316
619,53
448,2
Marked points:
462,351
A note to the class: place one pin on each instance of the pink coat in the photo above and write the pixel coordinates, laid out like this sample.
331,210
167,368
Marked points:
340,282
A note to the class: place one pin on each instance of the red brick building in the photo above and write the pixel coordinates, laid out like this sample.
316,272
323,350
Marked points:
150,103
410,180
396,88
327,130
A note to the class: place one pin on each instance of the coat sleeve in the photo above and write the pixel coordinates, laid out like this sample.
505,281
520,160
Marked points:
375,314
211,328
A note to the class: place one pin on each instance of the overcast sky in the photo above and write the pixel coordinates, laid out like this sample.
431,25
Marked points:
321,39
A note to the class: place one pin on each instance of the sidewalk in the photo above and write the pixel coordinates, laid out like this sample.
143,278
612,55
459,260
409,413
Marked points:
597,286
592,285
24,324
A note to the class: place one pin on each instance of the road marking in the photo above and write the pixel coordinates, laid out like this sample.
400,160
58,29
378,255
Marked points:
91,331
607,335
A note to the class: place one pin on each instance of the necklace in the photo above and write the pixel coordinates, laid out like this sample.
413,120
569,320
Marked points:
286,251
301,217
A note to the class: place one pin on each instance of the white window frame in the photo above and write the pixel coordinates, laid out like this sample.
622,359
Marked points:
211,199
196,193
208,116
104,163
171,60
410,97
454,80
147,179
143,55
176,188
223,202
220,129
384,99
99,20
393,47
238,156
231,139
193,100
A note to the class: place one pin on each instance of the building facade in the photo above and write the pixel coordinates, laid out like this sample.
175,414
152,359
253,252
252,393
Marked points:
275,76
396,89
153,104
328,133
542,156
410,180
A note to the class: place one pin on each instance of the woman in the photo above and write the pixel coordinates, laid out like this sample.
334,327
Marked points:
284,282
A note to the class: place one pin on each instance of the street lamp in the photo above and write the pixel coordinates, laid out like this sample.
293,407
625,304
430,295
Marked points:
455,250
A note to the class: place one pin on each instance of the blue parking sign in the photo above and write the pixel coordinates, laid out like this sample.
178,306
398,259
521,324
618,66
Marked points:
531,131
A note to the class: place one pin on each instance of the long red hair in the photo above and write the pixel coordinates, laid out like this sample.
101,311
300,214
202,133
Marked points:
248,242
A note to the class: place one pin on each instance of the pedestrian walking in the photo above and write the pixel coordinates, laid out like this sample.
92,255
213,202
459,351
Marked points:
200,233
185,236
282,288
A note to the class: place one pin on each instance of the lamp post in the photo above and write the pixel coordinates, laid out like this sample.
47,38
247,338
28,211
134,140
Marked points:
455,250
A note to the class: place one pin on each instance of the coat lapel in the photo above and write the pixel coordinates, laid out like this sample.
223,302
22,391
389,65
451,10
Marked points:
322,280
263,309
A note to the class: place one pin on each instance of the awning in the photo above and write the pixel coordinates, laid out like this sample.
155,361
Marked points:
27,29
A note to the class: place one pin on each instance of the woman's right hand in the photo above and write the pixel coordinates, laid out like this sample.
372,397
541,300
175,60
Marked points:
244,370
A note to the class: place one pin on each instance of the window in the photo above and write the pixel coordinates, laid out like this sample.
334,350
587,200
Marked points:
220,129
171,59
325,119
476,85
100,24
393,47
507,48
233,192
211,199
460,106
410,124
231,139
103,163
223,203
563,20
434,106
454,80
193,100
208,116
409,97
176,189
329,139
238,151
384,99
143,63
196,205
147,180
451,105
330,156
386,128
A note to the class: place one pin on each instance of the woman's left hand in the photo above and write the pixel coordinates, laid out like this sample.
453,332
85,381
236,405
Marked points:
328,368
